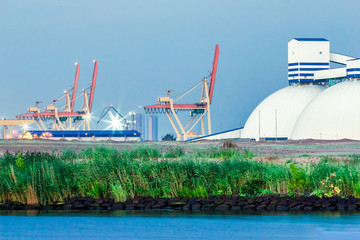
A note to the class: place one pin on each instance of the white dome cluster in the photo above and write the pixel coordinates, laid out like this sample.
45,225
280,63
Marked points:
333,114
276,115
308,112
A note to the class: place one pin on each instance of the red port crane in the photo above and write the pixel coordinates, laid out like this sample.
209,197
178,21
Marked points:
198,110
74,89
65,118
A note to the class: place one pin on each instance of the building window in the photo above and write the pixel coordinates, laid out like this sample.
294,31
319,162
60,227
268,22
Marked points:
320,52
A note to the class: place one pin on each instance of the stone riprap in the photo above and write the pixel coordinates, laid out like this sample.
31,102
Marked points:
271,202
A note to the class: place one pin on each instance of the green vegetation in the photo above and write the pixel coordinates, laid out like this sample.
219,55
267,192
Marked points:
38,177
169,137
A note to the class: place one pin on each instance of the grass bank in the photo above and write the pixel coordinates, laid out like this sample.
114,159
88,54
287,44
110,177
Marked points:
44,178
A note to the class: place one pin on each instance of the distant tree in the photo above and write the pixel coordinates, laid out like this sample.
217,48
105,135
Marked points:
169,137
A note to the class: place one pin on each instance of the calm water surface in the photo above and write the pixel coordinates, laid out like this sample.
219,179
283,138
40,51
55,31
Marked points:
174,225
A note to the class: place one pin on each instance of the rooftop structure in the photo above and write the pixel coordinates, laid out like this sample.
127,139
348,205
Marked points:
309,62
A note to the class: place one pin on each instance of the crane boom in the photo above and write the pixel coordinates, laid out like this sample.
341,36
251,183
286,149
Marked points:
213,72
76,80
93,82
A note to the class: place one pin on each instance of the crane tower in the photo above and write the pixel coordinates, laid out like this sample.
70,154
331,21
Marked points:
198,111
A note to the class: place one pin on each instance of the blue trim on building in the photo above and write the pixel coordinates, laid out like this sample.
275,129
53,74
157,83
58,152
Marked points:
353,75
276,139
293,64
309,64
301,75
307,80
293,69
293,75
316,64
311,39
214,134
91,133
354,59
352,69
312,69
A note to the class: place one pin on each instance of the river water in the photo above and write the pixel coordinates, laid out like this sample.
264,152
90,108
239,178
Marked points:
178,225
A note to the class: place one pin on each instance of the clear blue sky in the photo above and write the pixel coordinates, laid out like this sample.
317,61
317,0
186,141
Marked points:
145,47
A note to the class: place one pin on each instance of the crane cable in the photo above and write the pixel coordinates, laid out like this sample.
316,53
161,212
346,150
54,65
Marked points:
182,93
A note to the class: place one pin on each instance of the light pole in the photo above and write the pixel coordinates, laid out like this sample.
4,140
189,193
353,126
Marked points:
132,114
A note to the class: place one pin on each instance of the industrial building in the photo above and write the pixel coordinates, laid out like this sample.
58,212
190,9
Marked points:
318,102
93,135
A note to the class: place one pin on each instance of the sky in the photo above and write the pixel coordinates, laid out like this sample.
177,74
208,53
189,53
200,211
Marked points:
145,47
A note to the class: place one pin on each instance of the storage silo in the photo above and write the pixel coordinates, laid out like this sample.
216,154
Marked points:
152,128
140,124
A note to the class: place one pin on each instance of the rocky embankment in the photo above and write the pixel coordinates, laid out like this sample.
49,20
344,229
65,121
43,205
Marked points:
271,202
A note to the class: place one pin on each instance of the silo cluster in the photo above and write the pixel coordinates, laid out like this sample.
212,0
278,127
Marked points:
149,131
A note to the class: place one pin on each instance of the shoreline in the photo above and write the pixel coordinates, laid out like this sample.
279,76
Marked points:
269,202
107,179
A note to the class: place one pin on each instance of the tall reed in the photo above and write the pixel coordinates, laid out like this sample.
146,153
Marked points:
45,178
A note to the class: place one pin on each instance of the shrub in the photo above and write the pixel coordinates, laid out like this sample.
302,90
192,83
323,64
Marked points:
20,163
252,187
299,179
228,144
331,184
174,152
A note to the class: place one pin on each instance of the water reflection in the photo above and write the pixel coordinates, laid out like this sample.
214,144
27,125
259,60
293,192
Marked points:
177,225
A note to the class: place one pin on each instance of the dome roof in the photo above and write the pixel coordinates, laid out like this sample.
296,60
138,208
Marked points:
333,114
279,112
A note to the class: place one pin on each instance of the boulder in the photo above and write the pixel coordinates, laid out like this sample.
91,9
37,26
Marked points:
130,206
352,207
297,207
261,207
67,207
309,208
242,203
282,208
222,207
326,204
249,207
271,207
32,207
236,208
117,206
186,207
230,202
196,207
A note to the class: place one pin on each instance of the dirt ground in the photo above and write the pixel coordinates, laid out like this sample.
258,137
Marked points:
279,151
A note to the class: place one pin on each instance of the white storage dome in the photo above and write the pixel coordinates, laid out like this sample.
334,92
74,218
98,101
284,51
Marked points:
279,112
334,114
